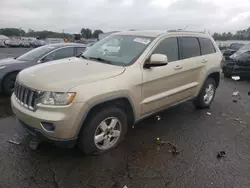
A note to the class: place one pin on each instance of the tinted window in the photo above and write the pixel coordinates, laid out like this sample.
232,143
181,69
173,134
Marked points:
168,47
80,50
207,46
189,47
60,54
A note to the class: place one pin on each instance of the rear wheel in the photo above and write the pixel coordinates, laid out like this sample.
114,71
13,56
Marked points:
206,95
104,130
9,83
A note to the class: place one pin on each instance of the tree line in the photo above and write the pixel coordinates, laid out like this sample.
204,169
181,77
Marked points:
84,33
239,35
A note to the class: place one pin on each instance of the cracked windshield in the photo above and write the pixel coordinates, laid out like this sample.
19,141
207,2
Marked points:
124,94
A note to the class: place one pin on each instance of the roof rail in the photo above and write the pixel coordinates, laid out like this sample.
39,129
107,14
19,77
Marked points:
179,30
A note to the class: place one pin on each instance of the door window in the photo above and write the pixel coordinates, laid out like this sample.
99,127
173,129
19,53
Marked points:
207,46
80,50
60,54
168,47
189,47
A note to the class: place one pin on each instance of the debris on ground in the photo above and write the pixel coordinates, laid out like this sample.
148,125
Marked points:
236,93
125,186
236,78
235,101
221,154
173,147
14,142
248,93
238,120
208,113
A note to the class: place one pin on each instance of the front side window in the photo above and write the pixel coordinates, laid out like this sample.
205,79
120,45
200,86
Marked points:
119,50
189,47
60,54
80,50
35,54
207,46
168,47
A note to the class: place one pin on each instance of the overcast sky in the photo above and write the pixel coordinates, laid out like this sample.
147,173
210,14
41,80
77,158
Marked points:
72,15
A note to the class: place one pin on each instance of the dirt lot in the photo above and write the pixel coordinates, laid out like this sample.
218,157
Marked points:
139,161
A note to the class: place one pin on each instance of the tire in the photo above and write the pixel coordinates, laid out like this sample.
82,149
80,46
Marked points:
200,101
92,128
9,83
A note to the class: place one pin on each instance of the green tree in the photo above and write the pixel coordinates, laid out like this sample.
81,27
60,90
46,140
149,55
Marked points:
12,32
96,33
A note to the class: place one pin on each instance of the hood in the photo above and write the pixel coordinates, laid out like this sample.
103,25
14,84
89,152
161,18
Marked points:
9,61
62,75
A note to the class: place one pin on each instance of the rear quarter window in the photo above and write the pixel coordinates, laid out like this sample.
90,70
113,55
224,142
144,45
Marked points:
207,46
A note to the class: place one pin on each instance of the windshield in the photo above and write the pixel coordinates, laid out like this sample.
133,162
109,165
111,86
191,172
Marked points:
236,46
243,49
33,55
118,49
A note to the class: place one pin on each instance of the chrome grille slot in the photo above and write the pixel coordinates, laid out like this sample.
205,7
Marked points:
25,96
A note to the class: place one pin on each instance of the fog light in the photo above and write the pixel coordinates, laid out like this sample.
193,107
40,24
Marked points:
49,127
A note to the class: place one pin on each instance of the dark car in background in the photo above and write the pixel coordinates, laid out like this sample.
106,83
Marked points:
10,67
232,49
238,64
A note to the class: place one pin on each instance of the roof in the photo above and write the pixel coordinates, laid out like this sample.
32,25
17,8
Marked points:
58,45
155,33
145,33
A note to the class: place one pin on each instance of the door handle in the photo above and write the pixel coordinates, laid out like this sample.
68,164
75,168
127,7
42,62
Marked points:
177,67
204,61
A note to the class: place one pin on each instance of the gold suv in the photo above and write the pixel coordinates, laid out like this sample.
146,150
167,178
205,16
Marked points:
118,81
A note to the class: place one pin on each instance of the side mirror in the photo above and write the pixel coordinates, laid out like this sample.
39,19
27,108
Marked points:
156,60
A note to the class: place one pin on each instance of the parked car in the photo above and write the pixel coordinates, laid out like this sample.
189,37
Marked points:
2,45
238,63
92,99
12,43
10,67
37,43
24,44
232,49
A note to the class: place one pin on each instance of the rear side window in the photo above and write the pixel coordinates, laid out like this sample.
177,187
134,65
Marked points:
189,47
207,46
168,47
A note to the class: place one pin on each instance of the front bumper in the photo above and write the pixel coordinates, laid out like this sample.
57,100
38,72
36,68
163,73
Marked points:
236,70
66,119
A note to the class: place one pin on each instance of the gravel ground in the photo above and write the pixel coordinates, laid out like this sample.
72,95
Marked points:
138,161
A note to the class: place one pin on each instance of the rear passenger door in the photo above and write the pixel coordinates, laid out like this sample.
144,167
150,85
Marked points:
192,64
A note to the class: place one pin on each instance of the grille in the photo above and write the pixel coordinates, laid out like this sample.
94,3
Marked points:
26,96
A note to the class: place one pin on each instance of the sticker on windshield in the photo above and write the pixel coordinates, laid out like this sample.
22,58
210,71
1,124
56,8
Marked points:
142,40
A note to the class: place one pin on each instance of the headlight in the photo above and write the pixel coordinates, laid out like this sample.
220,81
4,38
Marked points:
57,98
2,67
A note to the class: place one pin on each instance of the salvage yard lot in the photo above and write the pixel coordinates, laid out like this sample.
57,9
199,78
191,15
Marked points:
139,161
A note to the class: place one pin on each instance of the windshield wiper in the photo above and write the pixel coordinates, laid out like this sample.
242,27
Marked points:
101,60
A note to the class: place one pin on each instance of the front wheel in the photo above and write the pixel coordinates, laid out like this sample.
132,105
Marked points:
104,130
9,83
206,95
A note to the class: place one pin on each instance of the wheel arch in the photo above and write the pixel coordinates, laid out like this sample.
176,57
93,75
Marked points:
4,77
123,102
